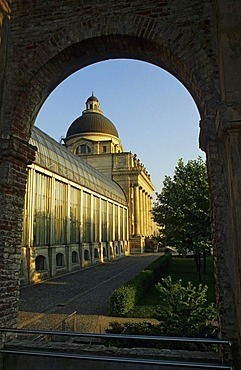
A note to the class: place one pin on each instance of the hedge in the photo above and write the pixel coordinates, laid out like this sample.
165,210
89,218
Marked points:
124,298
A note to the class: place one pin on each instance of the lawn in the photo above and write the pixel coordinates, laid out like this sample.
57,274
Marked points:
180,268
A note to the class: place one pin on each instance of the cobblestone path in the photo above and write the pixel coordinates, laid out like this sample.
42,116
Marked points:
86,291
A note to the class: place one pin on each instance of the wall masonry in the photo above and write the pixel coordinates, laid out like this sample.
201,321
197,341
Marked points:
43,42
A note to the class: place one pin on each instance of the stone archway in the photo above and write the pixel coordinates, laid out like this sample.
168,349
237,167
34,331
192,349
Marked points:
40,48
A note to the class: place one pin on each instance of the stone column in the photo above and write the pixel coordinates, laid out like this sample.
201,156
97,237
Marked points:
81,254
100,220
81,218
149,217
144,214
136,210
68,216
101,254
30,221
132,212
15,155
91,218
233,167
223,161
91,244
147,214
141,216
107,232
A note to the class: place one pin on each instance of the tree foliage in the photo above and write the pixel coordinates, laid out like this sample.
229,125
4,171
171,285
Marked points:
184,310
182,208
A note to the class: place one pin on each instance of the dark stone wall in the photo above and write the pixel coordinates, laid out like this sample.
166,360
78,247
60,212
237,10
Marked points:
5,11
51,40
43,42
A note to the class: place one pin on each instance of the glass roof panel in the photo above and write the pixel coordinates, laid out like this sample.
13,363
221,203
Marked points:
57,158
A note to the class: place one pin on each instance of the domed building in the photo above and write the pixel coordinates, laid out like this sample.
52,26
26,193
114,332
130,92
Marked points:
95,139
92,132
86,201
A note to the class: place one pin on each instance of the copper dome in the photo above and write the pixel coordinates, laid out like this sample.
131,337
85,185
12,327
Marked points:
92,122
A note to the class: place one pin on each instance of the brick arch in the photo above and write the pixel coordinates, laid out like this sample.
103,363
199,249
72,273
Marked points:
127,36
196,40
89,51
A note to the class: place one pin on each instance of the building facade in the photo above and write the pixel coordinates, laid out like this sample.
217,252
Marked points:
95,139
86,201
198,43
74,216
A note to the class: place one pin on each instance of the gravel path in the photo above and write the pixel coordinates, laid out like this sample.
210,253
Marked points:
86,291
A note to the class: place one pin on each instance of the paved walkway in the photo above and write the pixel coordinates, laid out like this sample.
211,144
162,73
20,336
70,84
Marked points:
86,291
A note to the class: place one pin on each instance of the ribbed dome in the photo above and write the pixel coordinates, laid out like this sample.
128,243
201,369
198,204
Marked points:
92,122
92,98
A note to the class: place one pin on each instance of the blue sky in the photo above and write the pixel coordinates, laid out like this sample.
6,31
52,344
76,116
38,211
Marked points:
154,114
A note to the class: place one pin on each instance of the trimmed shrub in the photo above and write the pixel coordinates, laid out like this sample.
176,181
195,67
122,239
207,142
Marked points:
143,328
124,298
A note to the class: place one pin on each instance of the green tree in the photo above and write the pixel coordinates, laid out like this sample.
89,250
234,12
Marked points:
182,210
184,310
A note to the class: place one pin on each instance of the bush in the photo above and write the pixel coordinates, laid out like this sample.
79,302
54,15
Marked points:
184,311
127,328
124,298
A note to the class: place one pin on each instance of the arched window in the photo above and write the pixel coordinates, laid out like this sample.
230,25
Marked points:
59,260
111,250
40,263
74,257
96,254
86,255
84,149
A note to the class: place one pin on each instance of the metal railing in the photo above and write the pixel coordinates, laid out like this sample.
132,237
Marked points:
64,325
148,361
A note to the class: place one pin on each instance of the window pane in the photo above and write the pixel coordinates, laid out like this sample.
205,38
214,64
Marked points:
59,260
74,257
74,215
116,223
26,215
42,215
96,218
121,223
40,263
110,216
125,224
104,220
86,217
60,217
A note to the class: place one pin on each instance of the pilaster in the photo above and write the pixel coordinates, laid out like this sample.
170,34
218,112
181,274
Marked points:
223,150
15,155
136,210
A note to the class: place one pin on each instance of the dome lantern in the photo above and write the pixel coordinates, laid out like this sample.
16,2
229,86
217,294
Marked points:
92,121
92,105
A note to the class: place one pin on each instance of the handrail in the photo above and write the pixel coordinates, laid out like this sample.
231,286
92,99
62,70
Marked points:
120,336
119,359
180,364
